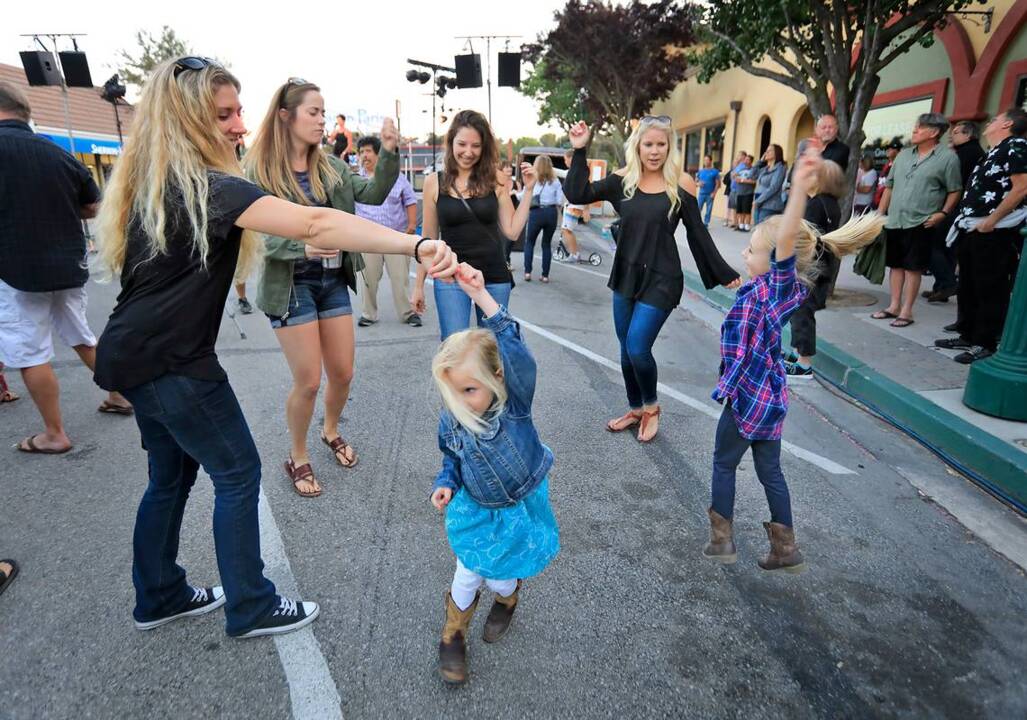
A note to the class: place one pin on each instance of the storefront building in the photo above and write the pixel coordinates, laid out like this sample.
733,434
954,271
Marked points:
967,74
93,122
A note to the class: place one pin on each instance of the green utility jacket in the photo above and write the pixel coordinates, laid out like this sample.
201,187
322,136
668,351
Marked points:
280,254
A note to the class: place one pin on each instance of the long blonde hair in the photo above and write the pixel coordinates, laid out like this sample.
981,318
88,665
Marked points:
671,168
851,237
480,348
544,169
267,161
175,142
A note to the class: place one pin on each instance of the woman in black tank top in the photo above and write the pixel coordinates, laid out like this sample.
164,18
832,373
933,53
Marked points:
469,205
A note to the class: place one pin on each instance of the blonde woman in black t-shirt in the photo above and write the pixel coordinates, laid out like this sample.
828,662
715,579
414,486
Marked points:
172,225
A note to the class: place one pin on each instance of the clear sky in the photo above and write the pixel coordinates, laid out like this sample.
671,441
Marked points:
356,52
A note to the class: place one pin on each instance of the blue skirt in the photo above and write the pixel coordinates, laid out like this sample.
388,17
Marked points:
507,543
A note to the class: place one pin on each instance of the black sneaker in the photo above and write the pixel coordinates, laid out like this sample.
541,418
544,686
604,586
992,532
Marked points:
954,327
244,306
204,601
795,371
956,343
365,322
973,355
288,616
414,320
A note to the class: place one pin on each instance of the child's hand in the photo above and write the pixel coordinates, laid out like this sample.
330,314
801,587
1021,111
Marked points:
806,168
470,279
441,497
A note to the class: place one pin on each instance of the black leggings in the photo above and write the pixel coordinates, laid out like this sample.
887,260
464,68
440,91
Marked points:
540,219
803,320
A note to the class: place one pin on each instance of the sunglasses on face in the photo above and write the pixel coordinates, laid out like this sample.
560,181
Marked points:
193,63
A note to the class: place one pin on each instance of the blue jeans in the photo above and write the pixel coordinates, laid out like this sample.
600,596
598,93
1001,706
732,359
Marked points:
766,456
763,213
544,220
186,423
318,293
706,200
637,325
454,305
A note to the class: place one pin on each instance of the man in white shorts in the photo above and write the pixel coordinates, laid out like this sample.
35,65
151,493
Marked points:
44,195
571,215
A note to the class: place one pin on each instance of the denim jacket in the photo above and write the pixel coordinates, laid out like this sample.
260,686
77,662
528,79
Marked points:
505,463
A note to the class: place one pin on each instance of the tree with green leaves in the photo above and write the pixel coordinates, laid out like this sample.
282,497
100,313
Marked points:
830,49
134,69
607,64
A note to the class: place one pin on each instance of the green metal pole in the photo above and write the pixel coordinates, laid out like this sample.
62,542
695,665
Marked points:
998,385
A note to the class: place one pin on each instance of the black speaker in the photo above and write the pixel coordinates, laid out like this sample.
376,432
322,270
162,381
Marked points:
509,69
76,69
40,67
468,71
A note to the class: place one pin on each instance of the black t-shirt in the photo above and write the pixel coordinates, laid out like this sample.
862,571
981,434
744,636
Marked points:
168,313
837,151
42,191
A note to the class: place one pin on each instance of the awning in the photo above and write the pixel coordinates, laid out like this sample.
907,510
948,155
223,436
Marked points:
86,144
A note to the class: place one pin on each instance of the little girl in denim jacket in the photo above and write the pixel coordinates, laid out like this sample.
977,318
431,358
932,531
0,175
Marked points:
493,484
781,261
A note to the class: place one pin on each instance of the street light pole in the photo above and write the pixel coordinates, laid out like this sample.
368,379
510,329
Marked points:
998,385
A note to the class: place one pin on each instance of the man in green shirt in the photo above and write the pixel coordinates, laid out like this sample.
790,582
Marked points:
922,189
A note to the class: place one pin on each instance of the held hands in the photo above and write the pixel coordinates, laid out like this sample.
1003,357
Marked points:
390,137
441,497
438,259
580,135
470,280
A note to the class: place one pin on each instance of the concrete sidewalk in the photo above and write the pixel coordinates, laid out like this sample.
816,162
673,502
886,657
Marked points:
896,373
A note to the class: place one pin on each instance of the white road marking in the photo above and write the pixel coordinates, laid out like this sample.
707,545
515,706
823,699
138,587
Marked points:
312,690
708,409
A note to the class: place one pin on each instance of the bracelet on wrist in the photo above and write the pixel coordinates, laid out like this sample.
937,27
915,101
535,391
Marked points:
417,248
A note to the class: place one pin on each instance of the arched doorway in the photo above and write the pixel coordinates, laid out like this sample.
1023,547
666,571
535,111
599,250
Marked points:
804,128
765,128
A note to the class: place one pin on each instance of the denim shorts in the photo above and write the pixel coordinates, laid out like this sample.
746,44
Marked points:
318,293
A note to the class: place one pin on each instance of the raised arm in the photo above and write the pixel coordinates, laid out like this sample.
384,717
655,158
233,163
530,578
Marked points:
511,219
788,228
374,191
577,187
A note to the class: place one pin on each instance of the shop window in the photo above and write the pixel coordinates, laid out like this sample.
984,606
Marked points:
714,145
692,140
884,124
1021,92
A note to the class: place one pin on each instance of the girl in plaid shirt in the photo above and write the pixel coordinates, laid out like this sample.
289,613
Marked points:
782,263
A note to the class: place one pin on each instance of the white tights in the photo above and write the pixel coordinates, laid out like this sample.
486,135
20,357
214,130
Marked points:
467,582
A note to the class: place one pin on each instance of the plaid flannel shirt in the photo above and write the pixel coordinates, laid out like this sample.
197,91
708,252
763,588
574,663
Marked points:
752,373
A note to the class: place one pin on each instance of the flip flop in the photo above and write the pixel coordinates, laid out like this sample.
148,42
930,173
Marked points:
883,315
33,448
8,579
902,322
108,407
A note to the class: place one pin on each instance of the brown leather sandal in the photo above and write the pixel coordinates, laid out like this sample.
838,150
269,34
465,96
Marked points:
303,473
647,416
631,417
338,446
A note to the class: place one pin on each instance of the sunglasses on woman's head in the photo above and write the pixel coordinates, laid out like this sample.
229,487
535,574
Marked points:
193,63
663,119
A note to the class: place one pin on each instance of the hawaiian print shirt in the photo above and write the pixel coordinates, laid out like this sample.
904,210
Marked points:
990,181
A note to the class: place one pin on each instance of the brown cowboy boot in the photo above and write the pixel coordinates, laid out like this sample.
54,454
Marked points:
784,554
722,542
453,646
498,621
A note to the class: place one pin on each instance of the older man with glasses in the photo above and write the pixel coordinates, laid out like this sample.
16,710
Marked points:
922,190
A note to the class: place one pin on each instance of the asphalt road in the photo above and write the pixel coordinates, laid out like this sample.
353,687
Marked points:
903,612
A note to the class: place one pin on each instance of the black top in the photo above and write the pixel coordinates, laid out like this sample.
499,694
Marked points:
42,191
837,151
169,310
823,211
474,236
647,266
969,154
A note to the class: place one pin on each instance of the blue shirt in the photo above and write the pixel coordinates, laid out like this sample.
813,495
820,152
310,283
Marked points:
734,176
550,193
707,178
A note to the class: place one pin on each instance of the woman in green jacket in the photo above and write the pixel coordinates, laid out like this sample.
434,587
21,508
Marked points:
305,290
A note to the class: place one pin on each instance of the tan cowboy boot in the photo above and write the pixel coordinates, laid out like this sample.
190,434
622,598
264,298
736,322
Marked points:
453,646
498,621
722,542
784,554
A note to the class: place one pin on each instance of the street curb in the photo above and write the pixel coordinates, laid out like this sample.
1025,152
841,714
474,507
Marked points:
991,463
